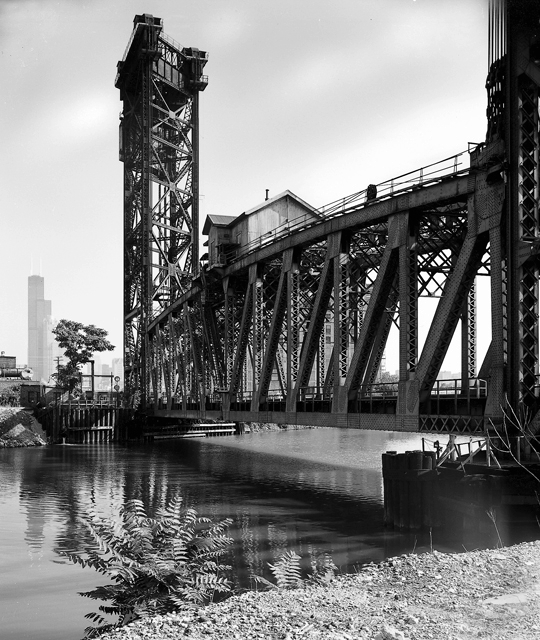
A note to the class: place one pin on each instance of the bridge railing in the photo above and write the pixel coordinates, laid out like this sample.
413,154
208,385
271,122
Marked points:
377,397
315,398
452,396
447,396
429,174
477,387
451,166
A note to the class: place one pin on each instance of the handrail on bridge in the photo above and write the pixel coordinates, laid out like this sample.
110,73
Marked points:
445,168
404,182
477,388
454,390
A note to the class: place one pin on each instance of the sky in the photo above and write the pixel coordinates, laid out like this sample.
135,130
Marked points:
321,97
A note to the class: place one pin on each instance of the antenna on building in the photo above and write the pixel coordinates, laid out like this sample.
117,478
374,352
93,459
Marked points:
40,266
31,265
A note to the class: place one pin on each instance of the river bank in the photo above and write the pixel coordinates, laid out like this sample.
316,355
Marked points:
492,594
19,428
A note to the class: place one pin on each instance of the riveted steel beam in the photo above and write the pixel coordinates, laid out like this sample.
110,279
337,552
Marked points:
374,313
272,342
243,337
316,322
447,315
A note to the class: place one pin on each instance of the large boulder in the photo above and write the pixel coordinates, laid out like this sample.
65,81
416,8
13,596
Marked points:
19,428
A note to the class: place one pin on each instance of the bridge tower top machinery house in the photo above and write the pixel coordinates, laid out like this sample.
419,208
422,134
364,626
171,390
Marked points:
159,83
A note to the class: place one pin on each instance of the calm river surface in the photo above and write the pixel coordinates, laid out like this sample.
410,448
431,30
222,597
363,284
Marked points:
311,491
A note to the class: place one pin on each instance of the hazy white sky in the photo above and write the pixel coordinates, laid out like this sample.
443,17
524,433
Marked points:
321,97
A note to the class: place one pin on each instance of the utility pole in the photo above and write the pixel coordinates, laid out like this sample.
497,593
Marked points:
58,359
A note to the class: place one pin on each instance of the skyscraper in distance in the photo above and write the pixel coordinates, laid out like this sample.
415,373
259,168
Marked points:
41,342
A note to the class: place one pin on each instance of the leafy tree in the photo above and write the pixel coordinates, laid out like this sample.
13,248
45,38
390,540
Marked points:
157,565
80,343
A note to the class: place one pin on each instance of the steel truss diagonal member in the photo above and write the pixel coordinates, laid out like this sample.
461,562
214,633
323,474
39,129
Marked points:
446,317
214,347
276,325
379,301
243,337
310,344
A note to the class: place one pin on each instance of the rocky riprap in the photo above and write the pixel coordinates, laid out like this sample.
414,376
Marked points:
19,428
492,594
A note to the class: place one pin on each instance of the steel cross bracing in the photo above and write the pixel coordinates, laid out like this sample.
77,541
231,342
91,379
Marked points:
292,327
159,83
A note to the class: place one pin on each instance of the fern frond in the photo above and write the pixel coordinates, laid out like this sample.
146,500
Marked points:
286,570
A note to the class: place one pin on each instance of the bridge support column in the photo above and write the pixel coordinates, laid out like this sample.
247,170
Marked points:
407,403
468,338
497,354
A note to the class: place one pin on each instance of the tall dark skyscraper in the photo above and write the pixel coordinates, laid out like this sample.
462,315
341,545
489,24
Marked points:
40,338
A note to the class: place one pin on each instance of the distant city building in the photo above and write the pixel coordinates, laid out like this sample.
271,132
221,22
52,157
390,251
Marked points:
102,374
448,375
97,367
42,347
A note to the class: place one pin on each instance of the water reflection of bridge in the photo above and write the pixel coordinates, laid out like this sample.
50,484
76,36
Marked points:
287,317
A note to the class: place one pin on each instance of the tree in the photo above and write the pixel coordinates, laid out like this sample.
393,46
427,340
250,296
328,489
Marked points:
80,343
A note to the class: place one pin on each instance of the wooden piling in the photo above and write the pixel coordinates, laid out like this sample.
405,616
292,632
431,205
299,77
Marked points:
402,492
389,460
415,461
429,462
408,489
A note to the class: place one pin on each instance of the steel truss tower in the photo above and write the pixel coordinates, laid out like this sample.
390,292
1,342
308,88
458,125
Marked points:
159,84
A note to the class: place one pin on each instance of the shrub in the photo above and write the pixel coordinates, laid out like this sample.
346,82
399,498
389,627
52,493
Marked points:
10,395
157,565
288,574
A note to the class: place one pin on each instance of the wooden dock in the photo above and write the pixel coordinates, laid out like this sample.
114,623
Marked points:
194,430
85,423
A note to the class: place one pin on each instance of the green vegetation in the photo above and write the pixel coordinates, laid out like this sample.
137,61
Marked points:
80,343
10,395
157,565
287,571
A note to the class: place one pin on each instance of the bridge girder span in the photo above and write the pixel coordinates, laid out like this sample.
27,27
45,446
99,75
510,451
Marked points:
293,330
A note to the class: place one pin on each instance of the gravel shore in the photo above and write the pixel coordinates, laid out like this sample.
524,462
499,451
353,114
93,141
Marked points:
492,594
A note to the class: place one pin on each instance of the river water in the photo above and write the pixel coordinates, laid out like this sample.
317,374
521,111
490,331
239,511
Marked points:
311,491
